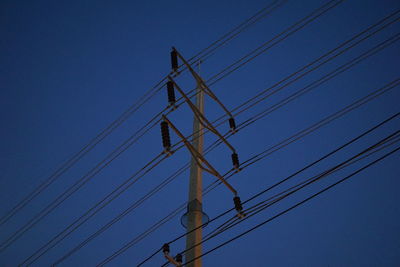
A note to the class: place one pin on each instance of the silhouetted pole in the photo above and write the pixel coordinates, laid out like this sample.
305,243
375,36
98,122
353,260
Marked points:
195,211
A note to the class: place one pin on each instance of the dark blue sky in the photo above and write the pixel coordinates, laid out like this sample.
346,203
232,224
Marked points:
69,68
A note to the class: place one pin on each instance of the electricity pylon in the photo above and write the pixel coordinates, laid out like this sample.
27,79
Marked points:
199,164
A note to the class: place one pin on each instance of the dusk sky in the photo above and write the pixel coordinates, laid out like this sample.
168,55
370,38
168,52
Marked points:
69,69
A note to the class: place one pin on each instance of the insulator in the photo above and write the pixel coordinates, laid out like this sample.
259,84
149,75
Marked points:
171,92
235,160
232,124
165,135
174,60
238,204
165,248
178,258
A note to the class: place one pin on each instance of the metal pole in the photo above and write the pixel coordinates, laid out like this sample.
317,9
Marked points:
194,209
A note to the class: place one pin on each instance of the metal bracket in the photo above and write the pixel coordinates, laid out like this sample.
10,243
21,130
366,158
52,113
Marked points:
200,160
202,119
202,83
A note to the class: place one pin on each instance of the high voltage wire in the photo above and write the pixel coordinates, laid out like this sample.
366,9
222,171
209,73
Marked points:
240,28
371,96
308,166
75,158
271,43
286,33
12,239
270,187
168,179
320,126
326,77
129,141
366,54
310,129
172,178
329,171
156,123
132,109
296,205
262,205
312,85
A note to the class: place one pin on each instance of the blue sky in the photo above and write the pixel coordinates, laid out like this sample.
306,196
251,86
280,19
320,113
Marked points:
69,68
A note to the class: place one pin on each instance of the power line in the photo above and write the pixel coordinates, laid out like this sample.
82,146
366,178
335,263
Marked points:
316,126
298,204
133,108
295,173
325,78
63,197
312,128
32,195
309,165
260,206
152,192
371,96
311,17
229,224
361,57
77,156
269,44
240,28
9,240
348,162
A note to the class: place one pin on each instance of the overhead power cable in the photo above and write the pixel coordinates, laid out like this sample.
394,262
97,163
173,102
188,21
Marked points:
280,196
256,99
377,146
371,96
154,120
384,90
365,133
365,34
168,180
268,45
78,155
133,108
275,40
63,200
149,166
204,54
296,205
313,127
262,205
381,124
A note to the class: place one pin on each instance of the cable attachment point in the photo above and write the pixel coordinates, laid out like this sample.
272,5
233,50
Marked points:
166,140
174,60
178,258
171,94
235,161
232,125
165,248
238,206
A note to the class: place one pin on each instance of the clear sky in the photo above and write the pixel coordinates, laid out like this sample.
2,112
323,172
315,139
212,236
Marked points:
70,68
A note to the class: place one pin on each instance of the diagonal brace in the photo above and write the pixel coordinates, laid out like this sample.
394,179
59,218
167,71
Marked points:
202,119
202,83
200,160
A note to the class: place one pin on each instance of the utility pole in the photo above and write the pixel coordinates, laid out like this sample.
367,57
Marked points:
193,219
194,209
